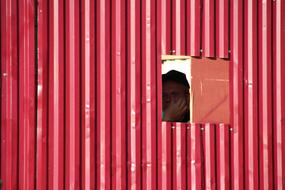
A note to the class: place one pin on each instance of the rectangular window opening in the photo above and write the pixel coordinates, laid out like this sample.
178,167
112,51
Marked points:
195,90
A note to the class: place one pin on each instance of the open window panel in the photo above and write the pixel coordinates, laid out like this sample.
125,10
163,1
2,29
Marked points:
195,90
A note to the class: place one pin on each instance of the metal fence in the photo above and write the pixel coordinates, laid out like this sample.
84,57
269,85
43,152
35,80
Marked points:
81,94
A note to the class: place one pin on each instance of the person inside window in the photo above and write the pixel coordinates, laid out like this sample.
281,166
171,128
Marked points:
175,97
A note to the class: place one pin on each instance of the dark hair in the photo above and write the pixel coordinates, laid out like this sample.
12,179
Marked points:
176,76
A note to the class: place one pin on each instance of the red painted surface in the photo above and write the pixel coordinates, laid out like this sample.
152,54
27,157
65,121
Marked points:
72,92
208,35
119,140
103,95
165,26
88,95
195,156
194,23
9,94
81,95
223,156
222,28
209,148
265,99
236,88
27,96
178,27
164,156
279,90
148,94
134,94
56,96
179,156
42,94
250,94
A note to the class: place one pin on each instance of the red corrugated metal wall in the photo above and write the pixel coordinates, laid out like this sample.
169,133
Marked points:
80,94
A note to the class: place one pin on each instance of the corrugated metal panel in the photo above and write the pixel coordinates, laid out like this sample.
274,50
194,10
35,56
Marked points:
178,27
165,10
222,28
134,94
42,97
148,93
208,29
179,152
88,95
9,94
27,95
56,96
279,91
265,91
72,96
251,98
198,157
103,94
236,88
209,153
195,166
194,22
119,148
164,156
81,95
223,156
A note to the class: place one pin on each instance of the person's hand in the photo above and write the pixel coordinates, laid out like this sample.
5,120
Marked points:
176,110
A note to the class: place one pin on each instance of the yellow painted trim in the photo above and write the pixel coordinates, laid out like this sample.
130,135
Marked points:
174,57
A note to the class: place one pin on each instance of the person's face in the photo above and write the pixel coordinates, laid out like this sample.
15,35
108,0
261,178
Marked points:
172,92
